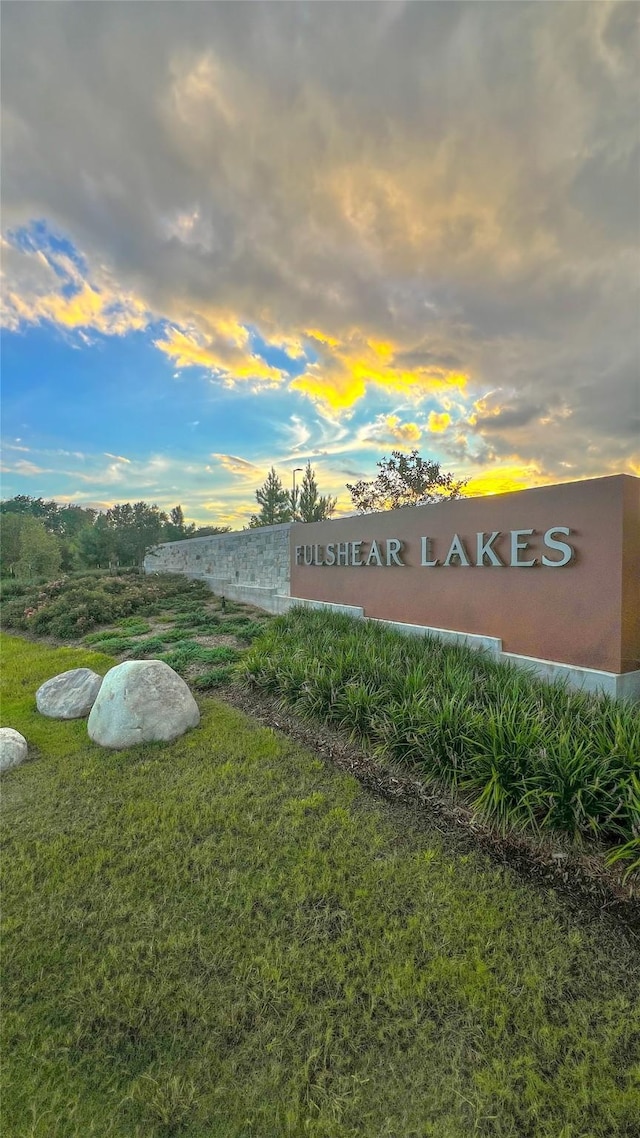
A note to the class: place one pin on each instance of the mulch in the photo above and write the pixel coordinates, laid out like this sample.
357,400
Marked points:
580,877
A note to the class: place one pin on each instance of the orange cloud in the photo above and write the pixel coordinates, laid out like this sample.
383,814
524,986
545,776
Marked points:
347,368
236,465
101,310
223,354
502,480
438,421
403,432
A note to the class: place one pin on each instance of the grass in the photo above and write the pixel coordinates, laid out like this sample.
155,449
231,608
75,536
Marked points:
529,754
224,938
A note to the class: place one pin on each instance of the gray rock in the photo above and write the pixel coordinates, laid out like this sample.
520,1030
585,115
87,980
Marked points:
13,748
142,701
71,695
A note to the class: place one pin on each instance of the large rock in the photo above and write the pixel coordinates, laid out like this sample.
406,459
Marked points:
13,748
71,695
142,701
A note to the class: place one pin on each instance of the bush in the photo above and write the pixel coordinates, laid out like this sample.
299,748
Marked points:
10,587
215,678
70,606
530,754
134,626
154,646
190,652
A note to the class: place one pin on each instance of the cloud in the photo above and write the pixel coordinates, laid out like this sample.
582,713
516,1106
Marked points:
45,284
225,353
24,468
236,465
415,199
438,421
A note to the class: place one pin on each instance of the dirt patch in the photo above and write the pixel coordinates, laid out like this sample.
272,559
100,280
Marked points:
581,877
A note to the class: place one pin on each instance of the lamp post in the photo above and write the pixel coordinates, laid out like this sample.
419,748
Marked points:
296,469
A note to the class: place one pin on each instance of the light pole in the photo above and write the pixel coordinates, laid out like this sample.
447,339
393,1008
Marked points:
296,469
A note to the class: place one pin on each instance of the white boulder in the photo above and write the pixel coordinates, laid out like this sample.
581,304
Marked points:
13,748
71,695
141,701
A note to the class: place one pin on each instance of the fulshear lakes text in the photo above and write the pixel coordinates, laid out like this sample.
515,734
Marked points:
515,549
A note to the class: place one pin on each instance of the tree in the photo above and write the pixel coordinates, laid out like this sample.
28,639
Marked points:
95,544
312,506
274,502
70,521
136,529
210,531
176,529
40,552
405,480
47,512
10,529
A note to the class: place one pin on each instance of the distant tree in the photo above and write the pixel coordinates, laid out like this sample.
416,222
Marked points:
210,531
46,512
10,529
312,507
274,502
405,480
70,521
40,553
176,529
95,545
137,528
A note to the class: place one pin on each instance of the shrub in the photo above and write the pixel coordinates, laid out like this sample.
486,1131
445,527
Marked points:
154,646
214,678
529,754
190,652
70,606
134,626
9,587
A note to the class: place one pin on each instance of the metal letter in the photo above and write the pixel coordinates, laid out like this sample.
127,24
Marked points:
393,548
374,552
298,554
343,552
308,556
484,549
331,554
550,541
355,553
424,544
516,546
457,549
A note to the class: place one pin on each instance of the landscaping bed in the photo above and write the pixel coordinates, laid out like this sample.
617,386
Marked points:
163,616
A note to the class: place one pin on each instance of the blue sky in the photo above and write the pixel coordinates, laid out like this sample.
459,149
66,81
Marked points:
237,236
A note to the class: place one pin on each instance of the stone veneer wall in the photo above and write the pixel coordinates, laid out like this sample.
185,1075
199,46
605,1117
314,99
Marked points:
251,566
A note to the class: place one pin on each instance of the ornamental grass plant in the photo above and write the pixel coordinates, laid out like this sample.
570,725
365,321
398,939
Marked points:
530,755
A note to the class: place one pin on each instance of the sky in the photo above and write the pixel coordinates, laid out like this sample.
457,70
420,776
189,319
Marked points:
237,235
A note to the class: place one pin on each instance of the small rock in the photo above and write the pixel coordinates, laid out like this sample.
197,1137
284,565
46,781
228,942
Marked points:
71,695
13,748
142,701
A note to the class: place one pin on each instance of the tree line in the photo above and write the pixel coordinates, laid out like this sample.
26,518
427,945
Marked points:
39,537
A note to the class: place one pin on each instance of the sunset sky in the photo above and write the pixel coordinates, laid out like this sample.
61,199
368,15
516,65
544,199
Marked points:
237,235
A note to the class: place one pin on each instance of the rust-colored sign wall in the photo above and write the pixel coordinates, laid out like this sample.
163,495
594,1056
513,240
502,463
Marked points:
553,572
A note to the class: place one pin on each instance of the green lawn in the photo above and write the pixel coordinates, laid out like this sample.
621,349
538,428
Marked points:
225,938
